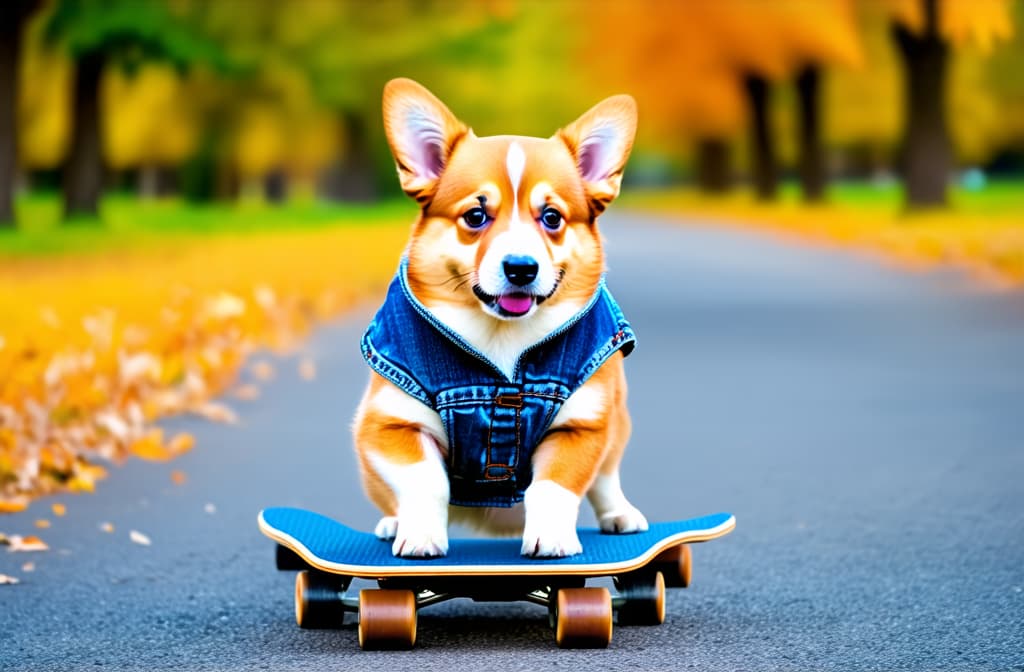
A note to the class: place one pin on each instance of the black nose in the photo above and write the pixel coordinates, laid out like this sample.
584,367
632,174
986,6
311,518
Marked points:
520,269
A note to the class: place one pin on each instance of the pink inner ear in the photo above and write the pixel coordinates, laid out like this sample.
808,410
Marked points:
424,143
596,154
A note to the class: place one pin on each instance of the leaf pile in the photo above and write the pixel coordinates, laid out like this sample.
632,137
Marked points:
94,350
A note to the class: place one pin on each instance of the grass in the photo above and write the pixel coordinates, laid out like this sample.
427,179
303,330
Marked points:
126,223
982,230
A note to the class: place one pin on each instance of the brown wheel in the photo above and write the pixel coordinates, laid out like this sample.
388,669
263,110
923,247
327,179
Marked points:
643,599
387,619
676,564
583,618
318,599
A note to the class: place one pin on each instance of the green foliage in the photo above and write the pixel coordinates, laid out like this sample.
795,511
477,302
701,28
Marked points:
130,32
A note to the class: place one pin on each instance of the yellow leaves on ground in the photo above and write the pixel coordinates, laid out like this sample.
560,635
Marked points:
989,245
153,447
94,350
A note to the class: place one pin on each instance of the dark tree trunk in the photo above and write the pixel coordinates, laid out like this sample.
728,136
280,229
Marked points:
927,150
83,174
275,186
13,15
713,165
812,157
763,164
353,178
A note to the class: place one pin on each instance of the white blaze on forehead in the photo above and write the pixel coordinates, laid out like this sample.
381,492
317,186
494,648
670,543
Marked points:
515,163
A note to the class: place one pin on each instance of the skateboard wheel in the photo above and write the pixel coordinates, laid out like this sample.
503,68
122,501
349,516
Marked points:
644,599
583,618
287,559
676,564
387,619
318,600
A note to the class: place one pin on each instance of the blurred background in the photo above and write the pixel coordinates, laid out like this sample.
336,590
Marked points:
278,101
179,178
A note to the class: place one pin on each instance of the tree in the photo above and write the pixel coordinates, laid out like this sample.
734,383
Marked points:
98,33
924,33
13,16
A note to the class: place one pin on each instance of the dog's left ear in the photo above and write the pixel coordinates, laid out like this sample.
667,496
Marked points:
600,141
422,133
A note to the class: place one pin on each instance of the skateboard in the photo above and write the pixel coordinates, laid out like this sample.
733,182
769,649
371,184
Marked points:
329,555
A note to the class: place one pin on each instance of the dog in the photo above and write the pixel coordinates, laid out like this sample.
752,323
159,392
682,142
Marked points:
497,394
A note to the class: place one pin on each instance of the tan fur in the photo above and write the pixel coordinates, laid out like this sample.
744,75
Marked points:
448,176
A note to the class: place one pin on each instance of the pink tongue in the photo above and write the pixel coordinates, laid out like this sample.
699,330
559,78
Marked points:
515,303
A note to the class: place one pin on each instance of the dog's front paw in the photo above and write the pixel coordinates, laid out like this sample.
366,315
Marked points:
551,543
386,528
623,521
414,541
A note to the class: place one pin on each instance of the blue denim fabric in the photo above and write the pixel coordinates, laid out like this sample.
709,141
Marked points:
493,423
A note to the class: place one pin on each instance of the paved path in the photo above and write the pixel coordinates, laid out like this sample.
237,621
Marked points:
866,427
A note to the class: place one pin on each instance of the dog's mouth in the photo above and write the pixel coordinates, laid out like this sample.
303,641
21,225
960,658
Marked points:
511,305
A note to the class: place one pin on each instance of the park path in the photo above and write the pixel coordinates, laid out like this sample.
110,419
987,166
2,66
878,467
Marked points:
865,425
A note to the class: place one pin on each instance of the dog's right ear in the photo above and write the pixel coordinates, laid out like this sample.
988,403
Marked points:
422,133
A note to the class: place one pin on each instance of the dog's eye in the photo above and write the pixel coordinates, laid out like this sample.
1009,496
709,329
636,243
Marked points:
551,219
475,218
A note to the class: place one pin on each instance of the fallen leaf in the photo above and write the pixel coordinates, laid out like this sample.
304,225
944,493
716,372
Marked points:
178,477
307,369
19,544
151,446
181,443
42,523
28,567
247,392
139,538
107,527
263,370
13,504
211,410
58,509
8,580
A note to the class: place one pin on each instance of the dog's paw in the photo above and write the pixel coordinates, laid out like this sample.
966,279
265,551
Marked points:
550,543
623,521
417,542
387,528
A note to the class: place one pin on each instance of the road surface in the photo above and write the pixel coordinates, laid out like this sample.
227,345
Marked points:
865,425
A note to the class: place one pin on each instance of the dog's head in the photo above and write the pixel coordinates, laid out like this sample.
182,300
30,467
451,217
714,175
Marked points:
508,223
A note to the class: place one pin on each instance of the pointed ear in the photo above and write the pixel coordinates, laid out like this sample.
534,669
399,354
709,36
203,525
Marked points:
600,141
422,133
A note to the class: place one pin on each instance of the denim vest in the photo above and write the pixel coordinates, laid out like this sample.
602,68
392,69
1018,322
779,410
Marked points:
493,423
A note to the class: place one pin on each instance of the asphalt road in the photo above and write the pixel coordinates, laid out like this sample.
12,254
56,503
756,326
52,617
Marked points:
865,425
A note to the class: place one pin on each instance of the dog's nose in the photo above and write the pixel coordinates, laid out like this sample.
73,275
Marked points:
520,269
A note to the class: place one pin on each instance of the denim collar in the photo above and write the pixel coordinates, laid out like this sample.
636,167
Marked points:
457,340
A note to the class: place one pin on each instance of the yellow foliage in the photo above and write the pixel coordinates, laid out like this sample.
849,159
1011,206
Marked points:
126,339
981,23
44,106
147,117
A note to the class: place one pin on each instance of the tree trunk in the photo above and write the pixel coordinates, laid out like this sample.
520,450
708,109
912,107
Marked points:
927,150
764,169
353,178
13,15
83,174
812,157
713,166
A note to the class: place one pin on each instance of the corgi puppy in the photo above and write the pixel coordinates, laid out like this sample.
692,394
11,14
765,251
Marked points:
497,395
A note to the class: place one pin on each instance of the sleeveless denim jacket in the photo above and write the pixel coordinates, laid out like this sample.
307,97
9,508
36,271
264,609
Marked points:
493,423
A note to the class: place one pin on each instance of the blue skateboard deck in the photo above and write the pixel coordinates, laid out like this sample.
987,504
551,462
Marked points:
329,546
331,555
